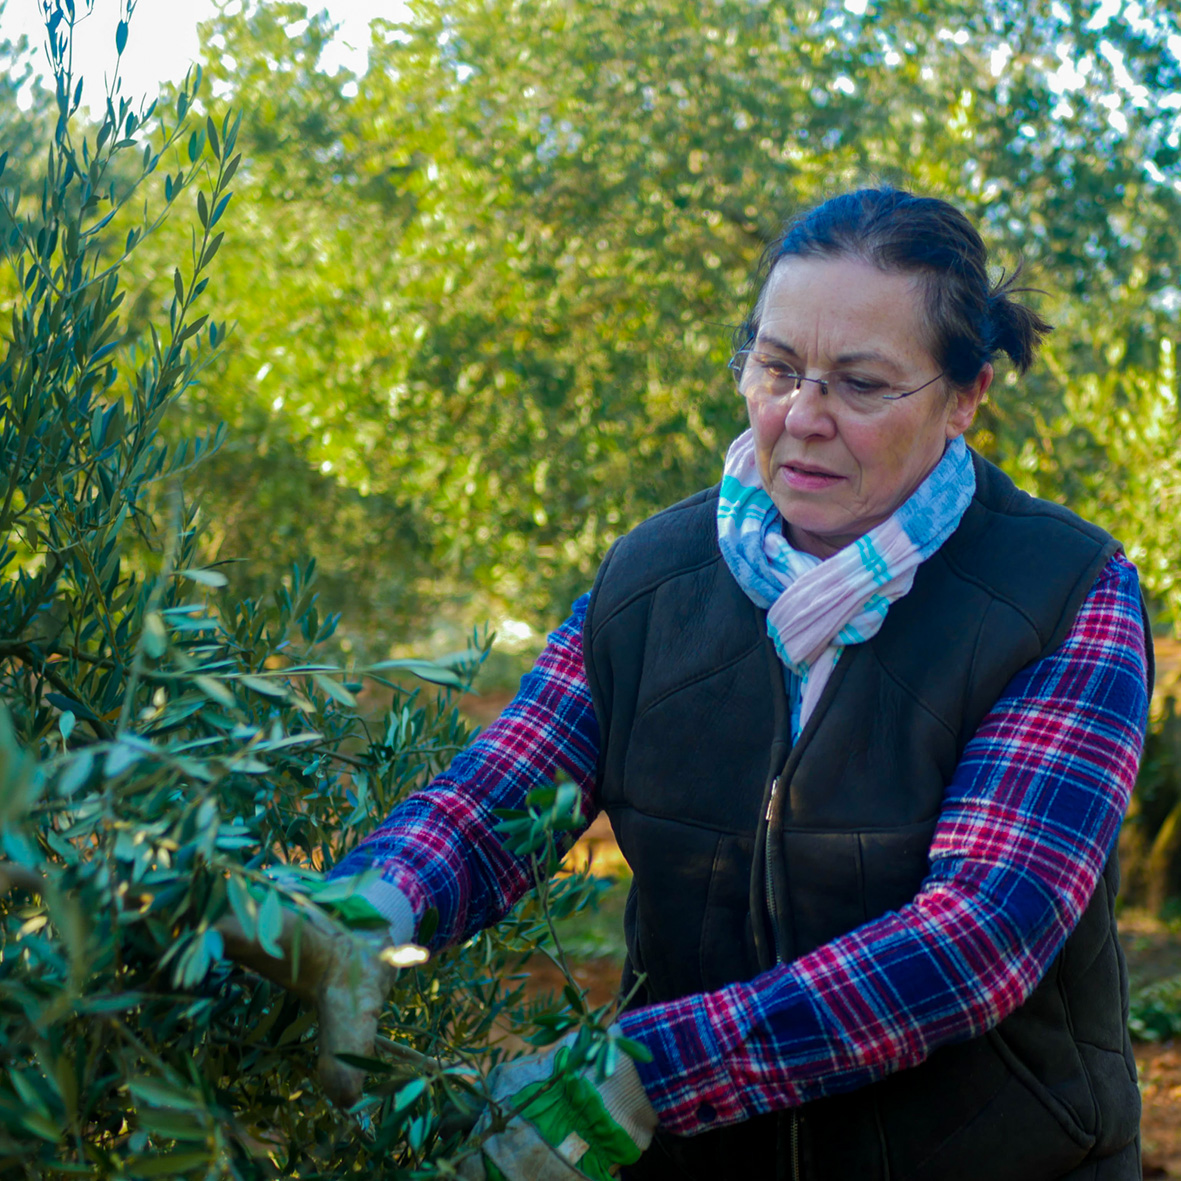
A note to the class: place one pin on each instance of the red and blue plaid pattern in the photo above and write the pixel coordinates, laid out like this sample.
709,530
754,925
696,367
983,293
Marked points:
1027,825
1028,822
439,846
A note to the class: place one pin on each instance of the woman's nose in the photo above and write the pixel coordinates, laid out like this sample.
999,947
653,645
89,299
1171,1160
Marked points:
809,411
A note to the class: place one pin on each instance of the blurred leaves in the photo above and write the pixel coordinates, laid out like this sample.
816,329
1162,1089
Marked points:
1155,1011
481,299
1150,841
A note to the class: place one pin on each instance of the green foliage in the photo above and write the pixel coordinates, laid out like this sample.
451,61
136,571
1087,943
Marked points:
483,293
1150,841
512,251
1155,1012
170,755
481,299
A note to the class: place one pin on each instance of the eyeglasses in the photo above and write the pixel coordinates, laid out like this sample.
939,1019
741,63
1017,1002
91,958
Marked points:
764,377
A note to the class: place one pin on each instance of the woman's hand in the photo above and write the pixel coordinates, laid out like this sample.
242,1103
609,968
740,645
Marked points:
559,1123
346,974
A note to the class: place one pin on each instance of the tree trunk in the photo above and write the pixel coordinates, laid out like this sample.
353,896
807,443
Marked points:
1160,871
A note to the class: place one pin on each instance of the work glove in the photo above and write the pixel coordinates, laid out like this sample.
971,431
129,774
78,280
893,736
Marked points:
570,1126
345,965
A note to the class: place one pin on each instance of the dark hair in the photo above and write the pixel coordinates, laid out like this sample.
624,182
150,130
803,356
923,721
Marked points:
971,320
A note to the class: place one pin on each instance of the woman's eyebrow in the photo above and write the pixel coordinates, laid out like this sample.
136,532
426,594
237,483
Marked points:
775,344
844,359
867,355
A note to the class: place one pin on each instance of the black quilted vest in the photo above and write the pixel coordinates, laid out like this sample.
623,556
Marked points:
745,848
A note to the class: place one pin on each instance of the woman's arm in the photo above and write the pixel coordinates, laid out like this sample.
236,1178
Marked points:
439,848
1026,827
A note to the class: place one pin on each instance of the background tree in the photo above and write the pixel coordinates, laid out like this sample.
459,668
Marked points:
485,301
481,299
484,308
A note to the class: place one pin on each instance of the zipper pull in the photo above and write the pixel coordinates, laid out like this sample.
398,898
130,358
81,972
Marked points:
795,1145
771,798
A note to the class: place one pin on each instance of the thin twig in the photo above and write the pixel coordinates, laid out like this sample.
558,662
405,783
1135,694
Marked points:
45,671
139,663
419,1061
542,885
24,648
87,658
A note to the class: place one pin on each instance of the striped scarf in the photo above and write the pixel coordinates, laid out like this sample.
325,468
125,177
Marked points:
816,608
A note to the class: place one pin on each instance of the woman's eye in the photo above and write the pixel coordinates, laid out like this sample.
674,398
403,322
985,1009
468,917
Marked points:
777,369
861,385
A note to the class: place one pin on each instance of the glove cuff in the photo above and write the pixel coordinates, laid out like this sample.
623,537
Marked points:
627,1102
394,907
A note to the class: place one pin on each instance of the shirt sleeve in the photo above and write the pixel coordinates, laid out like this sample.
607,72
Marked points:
1026,827
439,846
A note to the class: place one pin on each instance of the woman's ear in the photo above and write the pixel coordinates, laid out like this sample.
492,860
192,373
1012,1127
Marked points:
967,402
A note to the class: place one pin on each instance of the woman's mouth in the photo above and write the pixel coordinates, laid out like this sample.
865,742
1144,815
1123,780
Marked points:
805,477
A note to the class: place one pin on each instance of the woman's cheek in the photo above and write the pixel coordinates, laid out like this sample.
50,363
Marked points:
769,431
766,433
767,422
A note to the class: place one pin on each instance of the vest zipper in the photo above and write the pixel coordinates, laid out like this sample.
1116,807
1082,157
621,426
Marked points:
768,881
773,910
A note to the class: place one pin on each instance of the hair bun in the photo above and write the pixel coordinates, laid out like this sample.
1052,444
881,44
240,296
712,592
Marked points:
1017,329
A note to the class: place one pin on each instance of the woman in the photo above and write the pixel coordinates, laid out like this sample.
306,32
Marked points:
865,720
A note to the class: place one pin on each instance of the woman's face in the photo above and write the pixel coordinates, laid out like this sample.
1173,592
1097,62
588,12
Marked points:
835,473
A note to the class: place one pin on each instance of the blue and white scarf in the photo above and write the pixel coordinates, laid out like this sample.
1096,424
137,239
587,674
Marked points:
815,608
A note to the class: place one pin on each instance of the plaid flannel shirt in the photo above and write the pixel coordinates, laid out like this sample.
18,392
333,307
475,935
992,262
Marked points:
1027,824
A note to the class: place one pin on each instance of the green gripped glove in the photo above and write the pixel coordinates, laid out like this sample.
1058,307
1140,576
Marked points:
570,1113
564,1131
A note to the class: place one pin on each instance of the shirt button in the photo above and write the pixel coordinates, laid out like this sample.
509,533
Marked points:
706,1113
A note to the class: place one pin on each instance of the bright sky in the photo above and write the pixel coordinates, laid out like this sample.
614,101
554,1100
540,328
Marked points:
163,38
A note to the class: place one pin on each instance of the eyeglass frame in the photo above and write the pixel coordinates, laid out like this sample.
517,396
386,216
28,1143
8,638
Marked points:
822,382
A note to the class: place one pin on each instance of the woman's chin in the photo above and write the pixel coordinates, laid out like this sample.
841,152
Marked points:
817,538
813,513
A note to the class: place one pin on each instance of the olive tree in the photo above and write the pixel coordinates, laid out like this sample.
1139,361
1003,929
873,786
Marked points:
179,767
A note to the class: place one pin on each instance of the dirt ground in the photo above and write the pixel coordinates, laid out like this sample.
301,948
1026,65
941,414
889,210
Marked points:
1154,953
1160,1121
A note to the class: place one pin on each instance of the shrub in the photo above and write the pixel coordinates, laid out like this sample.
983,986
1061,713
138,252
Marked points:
1155,1011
